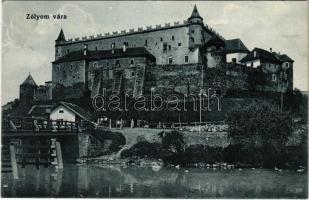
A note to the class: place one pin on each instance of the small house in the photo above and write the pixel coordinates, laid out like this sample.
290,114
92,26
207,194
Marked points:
65,111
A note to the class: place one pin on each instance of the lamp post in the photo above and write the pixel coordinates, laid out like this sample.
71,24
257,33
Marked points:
201,93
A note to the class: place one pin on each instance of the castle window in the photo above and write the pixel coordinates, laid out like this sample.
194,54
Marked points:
192,31
146,42
164,47
156,43
132,73
68,51
61,111
117,63
96,48
73,77
107,64
161,39
71,67
186,59
169,47
170,60
274,77
192,39
251,64
132,62
173,38
179,44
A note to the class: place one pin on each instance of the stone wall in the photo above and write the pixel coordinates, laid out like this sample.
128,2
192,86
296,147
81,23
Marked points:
69,73
167,79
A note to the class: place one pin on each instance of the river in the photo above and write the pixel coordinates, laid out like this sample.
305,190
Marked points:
143,182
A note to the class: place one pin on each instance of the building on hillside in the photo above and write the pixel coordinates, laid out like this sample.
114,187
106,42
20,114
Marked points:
276,76
179,44
167,59
26,90
65,111
29,91
123,69
235,50
287,66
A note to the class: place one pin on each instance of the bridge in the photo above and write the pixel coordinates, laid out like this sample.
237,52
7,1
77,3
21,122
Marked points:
16,127
36,141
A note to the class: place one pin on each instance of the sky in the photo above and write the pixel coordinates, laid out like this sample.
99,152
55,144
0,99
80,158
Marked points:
28,45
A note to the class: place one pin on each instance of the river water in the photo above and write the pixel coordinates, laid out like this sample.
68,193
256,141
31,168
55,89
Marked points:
143,182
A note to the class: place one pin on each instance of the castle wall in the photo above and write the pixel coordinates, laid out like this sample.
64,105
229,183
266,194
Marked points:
162,43
41,93
69,73
238,57
108,68
174,78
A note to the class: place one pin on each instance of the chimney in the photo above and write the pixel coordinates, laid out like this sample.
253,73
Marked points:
85,49
271,50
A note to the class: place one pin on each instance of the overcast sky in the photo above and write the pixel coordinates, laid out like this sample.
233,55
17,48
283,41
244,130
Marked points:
28,45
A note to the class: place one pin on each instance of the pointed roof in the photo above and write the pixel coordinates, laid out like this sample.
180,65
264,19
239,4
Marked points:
263,55
60,36
29,81
75,109
195,13
235,45
283,57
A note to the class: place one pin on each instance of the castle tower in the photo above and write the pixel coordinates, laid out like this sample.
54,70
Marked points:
58,48
195,29
26,90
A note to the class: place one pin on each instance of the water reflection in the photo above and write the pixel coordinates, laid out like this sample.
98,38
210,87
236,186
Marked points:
118,182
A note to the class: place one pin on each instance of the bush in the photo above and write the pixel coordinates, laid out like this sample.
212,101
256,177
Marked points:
145,149
118,140
172,141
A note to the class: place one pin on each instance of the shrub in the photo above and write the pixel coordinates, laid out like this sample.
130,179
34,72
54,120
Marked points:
143,149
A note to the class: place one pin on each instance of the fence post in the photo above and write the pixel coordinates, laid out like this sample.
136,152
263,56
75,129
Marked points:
13,161
59,155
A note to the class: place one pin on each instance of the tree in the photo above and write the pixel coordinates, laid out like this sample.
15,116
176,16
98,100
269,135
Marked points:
172,141
293,100
261,131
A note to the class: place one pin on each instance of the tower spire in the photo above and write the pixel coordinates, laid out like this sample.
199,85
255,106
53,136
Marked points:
195,16
61,36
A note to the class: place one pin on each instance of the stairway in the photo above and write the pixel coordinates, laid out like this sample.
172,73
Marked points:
139,81
96,85
117,82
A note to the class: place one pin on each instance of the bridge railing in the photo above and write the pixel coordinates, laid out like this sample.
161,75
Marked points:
21,125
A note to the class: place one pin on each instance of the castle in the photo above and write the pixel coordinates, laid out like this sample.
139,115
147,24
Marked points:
172,58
